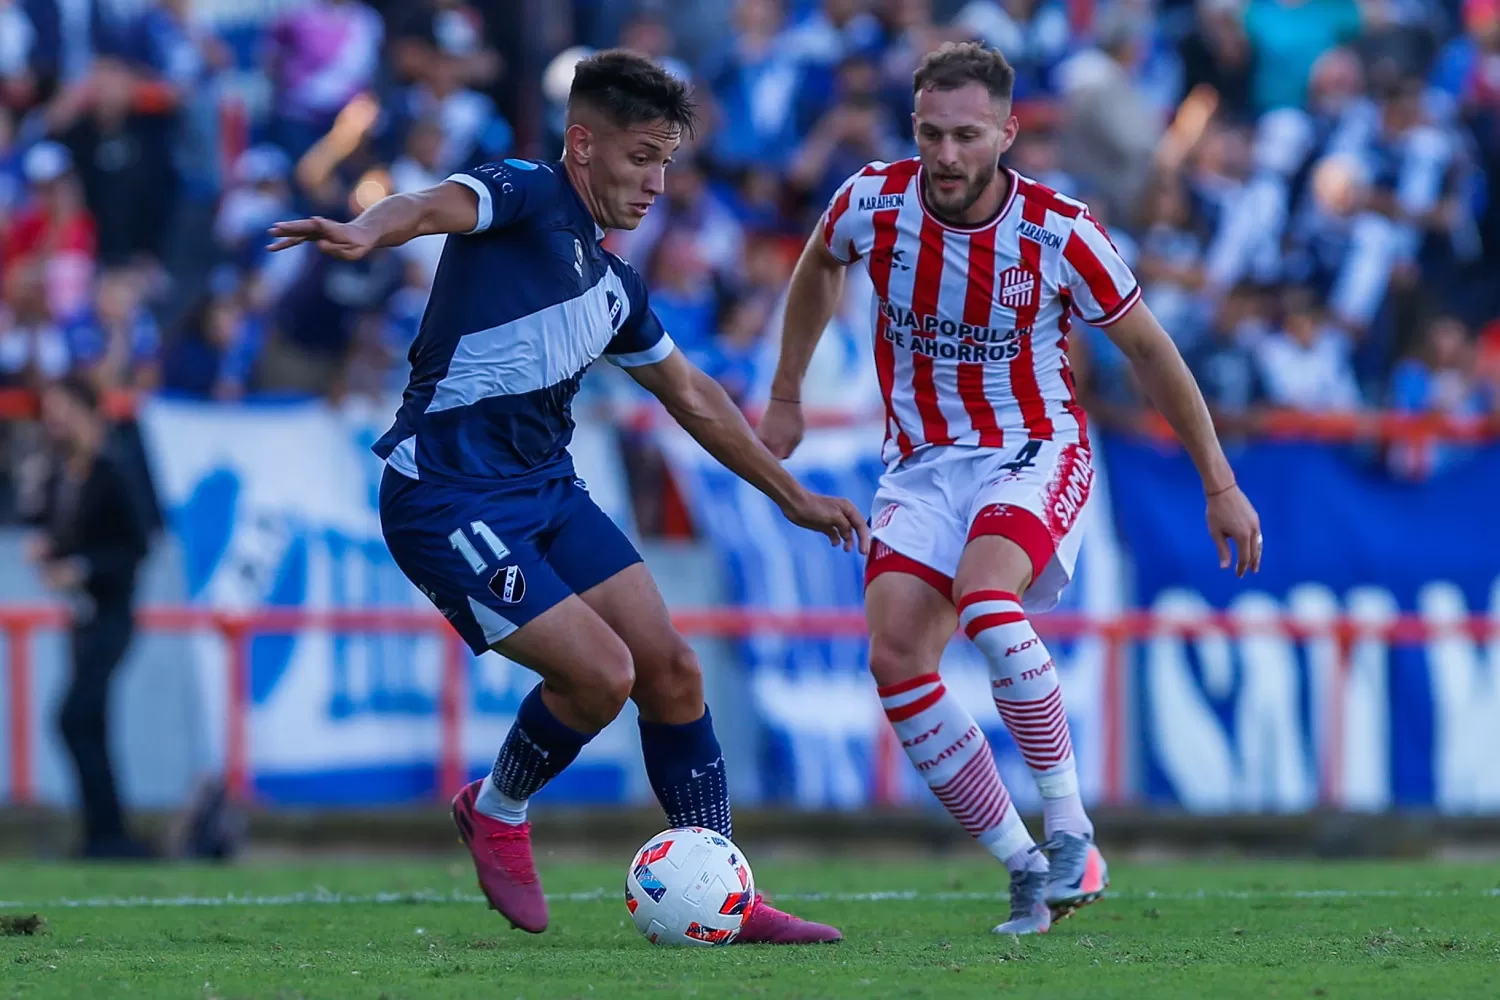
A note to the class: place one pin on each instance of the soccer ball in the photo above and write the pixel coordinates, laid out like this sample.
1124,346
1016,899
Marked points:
689,886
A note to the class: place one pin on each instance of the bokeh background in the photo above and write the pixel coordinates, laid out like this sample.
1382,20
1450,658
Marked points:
1306,188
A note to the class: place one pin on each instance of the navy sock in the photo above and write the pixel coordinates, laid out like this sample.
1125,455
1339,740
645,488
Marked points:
537,749
686,770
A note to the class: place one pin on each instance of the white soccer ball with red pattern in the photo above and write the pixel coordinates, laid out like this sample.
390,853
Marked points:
690,887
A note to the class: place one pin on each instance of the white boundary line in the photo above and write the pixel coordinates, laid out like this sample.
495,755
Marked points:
325,897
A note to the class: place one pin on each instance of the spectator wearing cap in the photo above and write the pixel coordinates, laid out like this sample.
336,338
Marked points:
54,229
320,55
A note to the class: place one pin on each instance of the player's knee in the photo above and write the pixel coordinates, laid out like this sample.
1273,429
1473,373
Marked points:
897,657
672,687
599,696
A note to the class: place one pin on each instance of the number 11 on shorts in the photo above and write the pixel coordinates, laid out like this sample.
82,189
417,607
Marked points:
460,541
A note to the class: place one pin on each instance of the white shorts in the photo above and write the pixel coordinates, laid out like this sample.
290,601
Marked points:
927,509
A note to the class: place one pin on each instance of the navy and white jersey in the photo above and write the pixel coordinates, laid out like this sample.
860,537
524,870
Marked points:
520,308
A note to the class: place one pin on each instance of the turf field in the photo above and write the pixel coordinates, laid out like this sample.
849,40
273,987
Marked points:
416,930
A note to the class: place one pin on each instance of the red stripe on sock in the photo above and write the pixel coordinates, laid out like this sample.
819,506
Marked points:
983,622
901,687
974,597
903,712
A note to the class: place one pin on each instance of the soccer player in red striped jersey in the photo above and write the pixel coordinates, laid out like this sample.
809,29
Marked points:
978,275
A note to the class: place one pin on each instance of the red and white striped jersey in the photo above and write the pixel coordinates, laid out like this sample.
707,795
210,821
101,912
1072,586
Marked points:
971,323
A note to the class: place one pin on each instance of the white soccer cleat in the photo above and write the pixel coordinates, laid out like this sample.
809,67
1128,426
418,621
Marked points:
1029,913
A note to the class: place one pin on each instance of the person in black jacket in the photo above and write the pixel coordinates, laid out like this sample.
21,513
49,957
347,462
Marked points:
92,537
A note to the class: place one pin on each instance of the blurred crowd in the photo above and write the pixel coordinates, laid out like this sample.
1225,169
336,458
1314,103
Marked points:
1307,188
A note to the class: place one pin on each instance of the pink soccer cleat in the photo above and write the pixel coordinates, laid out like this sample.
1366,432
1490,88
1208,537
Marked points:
768,925
502,860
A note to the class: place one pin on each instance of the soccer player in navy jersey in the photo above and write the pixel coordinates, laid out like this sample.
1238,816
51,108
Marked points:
479,502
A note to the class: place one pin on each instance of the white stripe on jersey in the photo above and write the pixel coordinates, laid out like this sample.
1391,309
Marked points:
532,352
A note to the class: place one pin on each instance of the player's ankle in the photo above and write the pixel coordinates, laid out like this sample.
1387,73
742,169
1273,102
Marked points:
495,804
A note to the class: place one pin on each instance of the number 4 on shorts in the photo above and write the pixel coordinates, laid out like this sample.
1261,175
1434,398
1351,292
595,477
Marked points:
466,548
1025,458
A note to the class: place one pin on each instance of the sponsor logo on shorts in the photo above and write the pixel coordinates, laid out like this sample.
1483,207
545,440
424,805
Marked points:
509,584
1068,491
884,517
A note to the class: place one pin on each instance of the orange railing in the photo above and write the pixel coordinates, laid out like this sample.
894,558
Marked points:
20,623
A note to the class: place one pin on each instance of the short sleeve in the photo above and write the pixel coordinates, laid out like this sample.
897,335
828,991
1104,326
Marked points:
642,340
837,224
1097,278
509,190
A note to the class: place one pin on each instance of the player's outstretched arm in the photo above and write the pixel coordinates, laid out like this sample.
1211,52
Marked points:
447,208
817,282
1172,389
706,412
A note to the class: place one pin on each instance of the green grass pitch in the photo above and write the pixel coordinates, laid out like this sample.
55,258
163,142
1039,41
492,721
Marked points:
916,929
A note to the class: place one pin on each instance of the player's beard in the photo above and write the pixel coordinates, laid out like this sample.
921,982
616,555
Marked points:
956,206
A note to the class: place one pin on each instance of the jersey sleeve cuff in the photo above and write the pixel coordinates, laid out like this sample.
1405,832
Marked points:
654,354
1118,311
486,201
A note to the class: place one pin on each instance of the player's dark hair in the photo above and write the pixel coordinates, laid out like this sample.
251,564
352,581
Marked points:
958,64
629,89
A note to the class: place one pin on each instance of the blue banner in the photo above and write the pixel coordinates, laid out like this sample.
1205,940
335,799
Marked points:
1266,723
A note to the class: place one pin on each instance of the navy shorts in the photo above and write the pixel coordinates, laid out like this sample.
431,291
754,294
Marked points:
492,561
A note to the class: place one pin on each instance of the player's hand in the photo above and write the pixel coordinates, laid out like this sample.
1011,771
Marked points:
1232,518
343,240
781,427
834,517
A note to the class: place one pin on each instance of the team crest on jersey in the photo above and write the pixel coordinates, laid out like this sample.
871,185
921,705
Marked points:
509,584
578,257
1018,287
616,311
